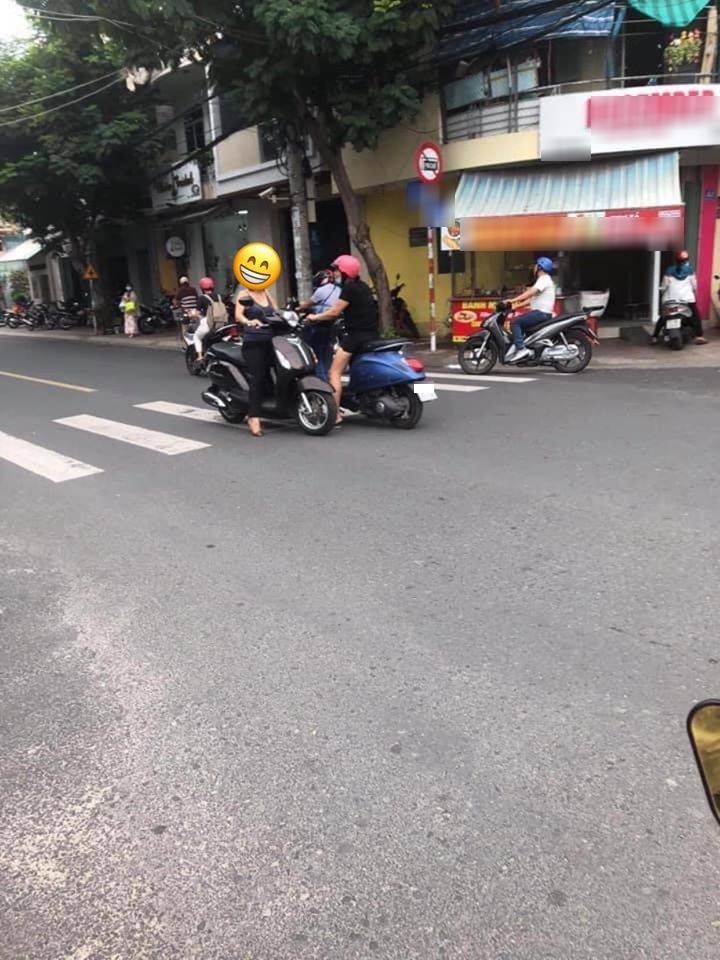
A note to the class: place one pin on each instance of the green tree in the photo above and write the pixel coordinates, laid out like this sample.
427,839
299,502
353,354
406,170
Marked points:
70,162
342,71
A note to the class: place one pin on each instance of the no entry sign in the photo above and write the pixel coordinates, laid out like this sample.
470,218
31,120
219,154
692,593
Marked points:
428,162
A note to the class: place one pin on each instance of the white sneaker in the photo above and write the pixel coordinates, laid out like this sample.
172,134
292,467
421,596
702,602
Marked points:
512,349
521,354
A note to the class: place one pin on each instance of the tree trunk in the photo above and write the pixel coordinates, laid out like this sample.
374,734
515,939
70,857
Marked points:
357,223
299,218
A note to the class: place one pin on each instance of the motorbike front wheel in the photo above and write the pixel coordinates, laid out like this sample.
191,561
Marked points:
412,417
479,357
231,415
584,355
321,416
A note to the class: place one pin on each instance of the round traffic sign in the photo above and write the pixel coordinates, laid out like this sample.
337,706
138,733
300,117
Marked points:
428,162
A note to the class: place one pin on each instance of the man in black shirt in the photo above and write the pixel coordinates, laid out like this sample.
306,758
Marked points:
357,304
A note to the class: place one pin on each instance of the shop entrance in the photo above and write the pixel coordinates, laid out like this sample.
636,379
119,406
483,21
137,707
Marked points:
624,273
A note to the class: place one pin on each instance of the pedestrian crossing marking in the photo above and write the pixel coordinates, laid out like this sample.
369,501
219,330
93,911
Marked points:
181,410
48,383
45,463
166,443
508,378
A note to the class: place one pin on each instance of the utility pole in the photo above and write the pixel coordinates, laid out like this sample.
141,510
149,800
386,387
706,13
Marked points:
299,215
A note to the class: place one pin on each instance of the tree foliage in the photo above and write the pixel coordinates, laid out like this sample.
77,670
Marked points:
66,166
342,71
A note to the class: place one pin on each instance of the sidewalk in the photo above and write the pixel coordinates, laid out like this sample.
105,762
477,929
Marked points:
608,354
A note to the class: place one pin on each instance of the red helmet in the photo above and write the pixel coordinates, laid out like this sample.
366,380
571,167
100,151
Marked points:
207,283
348,265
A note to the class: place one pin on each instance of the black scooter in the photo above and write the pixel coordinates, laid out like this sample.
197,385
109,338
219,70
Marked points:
564,343
296,394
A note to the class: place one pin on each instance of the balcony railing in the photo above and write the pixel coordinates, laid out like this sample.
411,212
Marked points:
521,111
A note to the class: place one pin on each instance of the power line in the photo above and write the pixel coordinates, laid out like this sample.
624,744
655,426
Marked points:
62,106
58,93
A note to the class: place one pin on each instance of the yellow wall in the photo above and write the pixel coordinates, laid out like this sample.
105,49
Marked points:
239,151
390,220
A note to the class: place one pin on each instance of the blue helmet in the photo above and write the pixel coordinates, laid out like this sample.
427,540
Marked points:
545,263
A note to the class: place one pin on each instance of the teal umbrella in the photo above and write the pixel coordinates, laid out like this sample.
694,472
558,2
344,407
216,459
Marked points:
672,13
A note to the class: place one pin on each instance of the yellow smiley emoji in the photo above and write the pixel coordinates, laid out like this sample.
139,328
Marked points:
256,266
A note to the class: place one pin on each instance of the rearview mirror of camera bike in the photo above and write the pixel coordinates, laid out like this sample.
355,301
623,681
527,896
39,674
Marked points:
703,725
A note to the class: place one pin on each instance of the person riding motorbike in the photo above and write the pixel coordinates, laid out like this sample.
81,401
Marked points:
541,297
186,297
212,313
320,335
252,309
358,306
680,285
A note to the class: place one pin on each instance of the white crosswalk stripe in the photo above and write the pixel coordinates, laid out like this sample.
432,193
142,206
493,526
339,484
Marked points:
43,462
459,387
182,410
154,440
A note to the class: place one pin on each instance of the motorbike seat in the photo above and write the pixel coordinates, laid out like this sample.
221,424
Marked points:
378,346
231,352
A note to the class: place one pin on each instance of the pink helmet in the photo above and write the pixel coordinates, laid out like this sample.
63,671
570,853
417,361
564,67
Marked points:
207,283
348,265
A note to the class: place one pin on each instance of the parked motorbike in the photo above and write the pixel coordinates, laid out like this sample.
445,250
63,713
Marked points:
565,343
403,322
385,385
297,393
676,327
228,333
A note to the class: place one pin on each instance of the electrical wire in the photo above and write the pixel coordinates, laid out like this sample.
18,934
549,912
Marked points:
62,106
58,93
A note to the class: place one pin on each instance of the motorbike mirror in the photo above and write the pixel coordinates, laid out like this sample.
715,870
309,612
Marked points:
703,726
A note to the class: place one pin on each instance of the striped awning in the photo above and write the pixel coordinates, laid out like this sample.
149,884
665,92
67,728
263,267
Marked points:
649,181
628,202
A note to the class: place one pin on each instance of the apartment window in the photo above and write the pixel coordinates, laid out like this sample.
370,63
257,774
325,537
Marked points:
268,142
195,130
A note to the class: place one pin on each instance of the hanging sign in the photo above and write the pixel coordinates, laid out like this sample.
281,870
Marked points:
428,162
90,273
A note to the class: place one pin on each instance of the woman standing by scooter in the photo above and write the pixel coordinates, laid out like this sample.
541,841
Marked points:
252,308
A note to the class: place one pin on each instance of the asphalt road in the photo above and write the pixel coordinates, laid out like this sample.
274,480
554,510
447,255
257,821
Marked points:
382,694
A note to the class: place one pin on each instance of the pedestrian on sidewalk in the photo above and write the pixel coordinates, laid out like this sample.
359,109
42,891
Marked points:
129,309
680,286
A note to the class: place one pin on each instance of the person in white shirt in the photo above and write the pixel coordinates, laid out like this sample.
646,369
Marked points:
680,285
541,298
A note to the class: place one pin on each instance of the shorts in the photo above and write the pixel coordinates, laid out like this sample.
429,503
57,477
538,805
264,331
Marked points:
355,342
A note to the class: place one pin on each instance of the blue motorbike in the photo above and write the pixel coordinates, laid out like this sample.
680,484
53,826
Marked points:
385,385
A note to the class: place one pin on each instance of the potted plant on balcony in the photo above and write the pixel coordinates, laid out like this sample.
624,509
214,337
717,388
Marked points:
683,53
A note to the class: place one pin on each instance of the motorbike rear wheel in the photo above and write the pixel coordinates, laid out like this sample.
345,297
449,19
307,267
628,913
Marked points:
323,414
475,363
413,416
146,324
577,364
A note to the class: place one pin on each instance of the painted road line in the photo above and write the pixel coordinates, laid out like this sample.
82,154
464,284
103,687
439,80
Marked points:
48,383
510,378
181,410
165,443
458,387
45,463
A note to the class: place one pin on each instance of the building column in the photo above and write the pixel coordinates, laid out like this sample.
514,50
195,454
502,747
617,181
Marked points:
706,239
655,287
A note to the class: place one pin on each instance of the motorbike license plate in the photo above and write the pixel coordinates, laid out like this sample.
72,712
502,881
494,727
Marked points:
426,391
673,323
